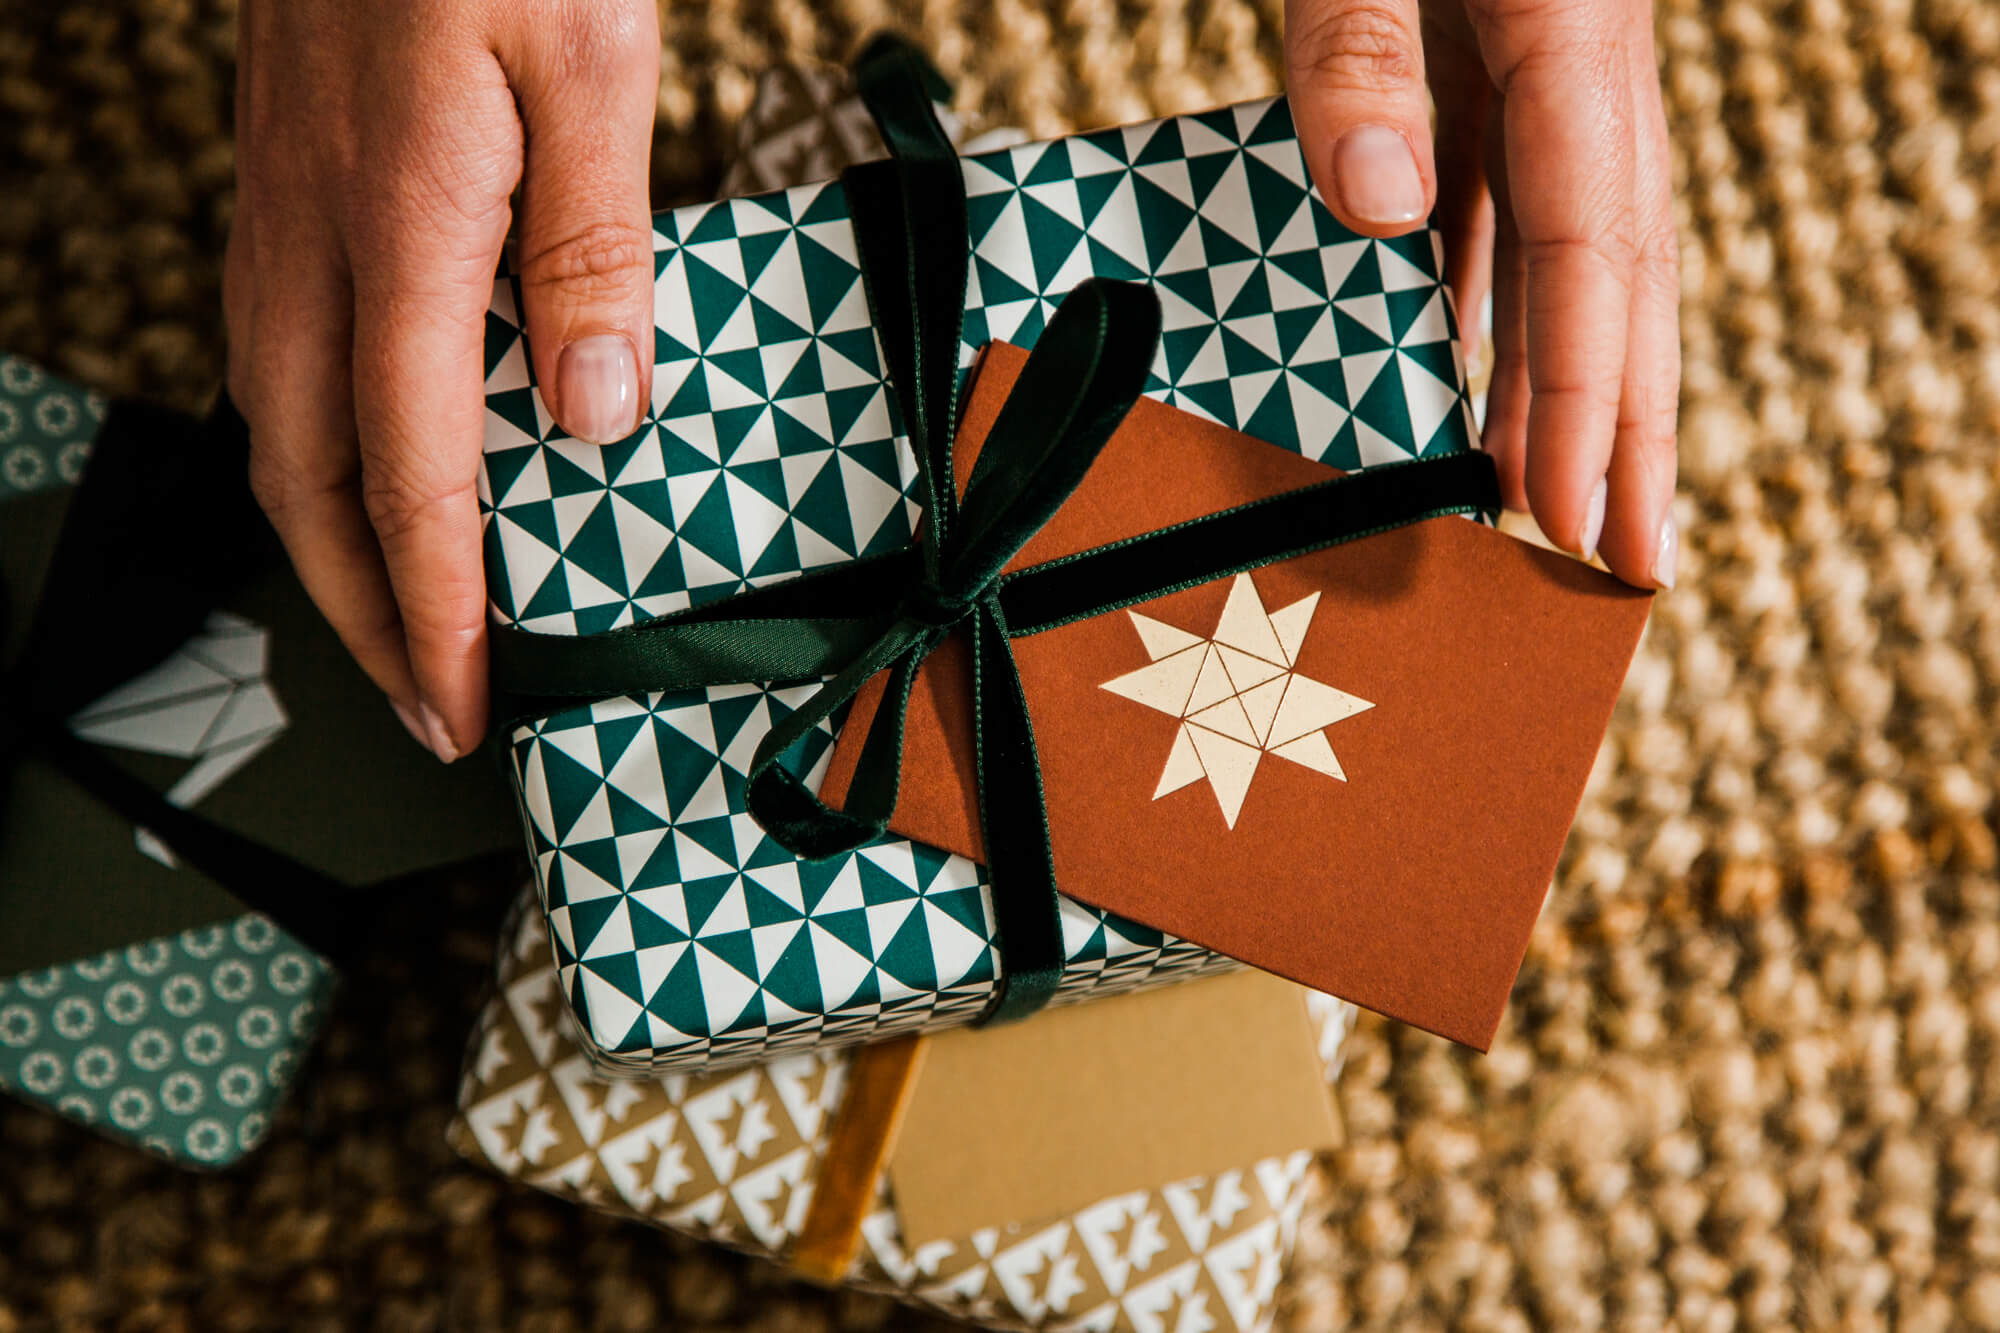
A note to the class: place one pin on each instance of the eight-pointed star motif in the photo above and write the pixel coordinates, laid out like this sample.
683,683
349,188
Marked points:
1237,696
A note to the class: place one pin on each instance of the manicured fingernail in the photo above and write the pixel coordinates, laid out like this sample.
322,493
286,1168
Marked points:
1669,553
597,385
1376,175
1593,523
410,723
436,736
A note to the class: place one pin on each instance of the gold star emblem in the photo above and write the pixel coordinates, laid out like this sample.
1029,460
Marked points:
1238,696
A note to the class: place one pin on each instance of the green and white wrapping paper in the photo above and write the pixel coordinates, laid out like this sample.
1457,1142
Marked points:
684,938
46,426
182,1045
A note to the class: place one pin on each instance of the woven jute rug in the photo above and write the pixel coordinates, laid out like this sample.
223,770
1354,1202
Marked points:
1751,1074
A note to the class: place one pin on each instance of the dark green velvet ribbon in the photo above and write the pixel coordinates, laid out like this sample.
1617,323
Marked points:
888,613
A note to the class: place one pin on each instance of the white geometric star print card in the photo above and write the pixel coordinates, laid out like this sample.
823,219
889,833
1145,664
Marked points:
1354,768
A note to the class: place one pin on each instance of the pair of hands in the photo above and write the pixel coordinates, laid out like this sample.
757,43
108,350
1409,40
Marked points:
380,143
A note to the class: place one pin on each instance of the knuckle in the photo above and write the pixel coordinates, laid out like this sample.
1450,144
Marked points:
443,626
283,487
1598,395
1485,14
1653,431
600,259
1648,419
1611,248
458,198
273,483
615,36
443,622
1509,355
1658,252
1533,20
1367,45
375,629
436,177
397,507
1663,446
1540,44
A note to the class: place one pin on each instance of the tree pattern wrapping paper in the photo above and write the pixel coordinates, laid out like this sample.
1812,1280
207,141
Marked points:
684,938
806,123
732,1157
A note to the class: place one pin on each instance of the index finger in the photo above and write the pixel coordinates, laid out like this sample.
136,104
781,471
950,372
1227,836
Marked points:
418,404
1562,72
419,375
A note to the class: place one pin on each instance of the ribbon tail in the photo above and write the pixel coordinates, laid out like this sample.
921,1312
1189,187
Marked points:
1263,532
692,655
791,812
898,84
909,230
1020,861
803,628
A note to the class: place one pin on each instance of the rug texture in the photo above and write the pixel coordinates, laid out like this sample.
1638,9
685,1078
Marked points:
1750,1077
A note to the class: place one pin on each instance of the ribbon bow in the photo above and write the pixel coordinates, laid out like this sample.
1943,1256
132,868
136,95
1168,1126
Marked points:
888,613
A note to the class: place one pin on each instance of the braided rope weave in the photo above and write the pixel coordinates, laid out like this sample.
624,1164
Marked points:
1751,1074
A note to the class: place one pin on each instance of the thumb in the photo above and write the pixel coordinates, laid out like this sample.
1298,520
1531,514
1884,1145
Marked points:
586,235
1355,76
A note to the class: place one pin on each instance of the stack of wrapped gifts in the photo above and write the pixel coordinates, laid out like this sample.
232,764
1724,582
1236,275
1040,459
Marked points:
1045,657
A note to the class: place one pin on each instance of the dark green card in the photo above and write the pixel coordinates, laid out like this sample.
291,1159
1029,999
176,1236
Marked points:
333,782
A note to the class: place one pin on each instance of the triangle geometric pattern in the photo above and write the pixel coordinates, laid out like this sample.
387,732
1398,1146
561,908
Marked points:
687,940
769,446
733,1157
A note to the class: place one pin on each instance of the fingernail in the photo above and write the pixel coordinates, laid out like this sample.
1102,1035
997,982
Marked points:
436,736
1669,553
597,383
1376,175
1593,523
410,723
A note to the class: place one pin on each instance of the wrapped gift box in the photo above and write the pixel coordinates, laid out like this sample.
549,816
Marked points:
736,1157
137,996
770,450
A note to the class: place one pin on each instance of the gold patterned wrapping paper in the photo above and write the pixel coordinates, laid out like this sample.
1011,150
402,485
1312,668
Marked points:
732,1158
807,124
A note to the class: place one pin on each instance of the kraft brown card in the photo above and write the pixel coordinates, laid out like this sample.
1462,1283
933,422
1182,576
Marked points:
1355,768
1091,1101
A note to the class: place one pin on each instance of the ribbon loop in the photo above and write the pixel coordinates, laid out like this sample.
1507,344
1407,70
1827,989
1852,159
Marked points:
1090,366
